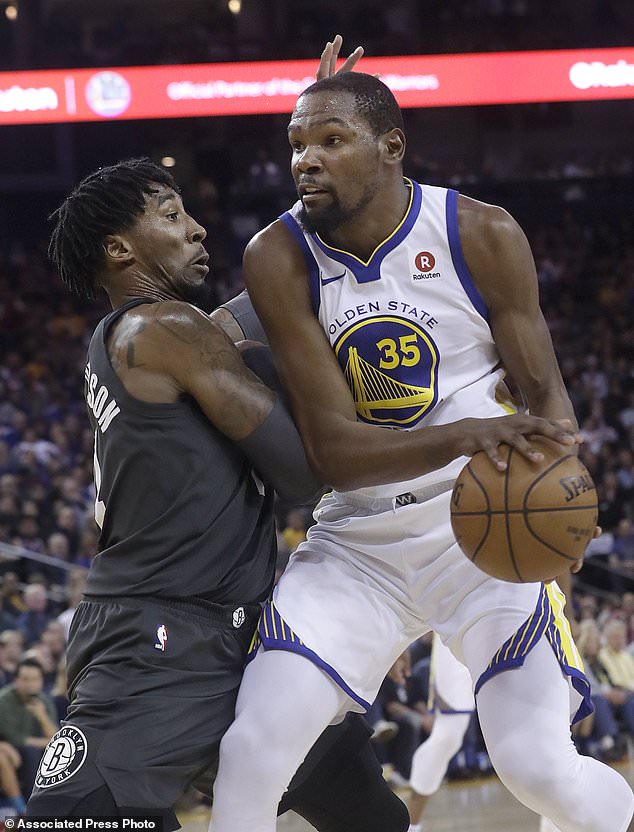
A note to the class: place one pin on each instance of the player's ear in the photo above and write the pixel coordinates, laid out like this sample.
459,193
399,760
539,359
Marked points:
118,250
394,146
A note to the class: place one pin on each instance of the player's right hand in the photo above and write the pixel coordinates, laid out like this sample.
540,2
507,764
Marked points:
488,434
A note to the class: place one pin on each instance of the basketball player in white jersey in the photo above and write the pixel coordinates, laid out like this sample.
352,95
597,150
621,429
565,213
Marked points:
391,307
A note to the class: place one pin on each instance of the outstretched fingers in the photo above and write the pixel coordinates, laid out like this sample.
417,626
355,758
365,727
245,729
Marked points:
329,57
351,61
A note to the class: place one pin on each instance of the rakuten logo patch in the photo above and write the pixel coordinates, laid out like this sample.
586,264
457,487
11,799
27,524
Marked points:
19,100
597,74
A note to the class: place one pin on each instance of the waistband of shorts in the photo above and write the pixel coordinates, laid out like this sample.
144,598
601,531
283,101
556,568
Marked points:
233,614
379,504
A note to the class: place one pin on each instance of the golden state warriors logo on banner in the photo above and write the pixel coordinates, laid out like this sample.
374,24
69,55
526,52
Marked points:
391,366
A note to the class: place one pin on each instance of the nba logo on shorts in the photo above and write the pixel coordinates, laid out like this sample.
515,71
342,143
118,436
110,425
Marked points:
238,617
161,638
64,756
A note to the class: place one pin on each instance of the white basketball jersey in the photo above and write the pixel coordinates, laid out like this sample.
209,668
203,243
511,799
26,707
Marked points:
408,325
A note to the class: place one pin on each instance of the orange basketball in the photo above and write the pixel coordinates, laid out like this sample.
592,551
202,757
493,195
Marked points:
530,522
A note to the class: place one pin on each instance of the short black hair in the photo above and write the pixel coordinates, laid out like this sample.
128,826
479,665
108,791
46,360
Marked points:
106,202
29,663
372,98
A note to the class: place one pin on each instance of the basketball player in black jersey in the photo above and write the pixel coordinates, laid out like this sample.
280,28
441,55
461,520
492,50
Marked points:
187,547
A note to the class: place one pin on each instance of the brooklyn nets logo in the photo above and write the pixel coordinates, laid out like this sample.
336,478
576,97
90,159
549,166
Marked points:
63,757
391,366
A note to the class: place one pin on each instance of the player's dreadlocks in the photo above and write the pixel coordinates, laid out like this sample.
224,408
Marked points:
373,99
106,202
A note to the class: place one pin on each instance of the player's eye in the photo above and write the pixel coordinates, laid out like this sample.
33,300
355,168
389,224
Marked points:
333,140
297,147
172,215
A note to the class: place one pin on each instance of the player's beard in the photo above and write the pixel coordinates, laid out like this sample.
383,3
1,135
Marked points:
326,220
201,295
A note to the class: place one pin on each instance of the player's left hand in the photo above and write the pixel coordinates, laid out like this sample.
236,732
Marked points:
328,61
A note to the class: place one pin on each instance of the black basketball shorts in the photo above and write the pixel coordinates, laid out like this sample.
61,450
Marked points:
152,687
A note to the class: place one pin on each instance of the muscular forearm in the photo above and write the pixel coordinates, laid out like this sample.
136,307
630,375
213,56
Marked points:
354,455
551,403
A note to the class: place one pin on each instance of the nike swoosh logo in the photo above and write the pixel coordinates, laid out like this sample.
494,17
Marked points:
326,280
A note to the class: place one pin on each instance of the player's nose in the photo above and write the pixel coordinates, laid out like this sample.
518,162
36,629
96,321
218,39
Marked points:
197,233
309,161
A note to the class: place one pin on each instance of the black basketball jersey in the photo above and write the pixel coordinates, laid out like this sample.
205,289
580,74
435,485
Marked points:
180,511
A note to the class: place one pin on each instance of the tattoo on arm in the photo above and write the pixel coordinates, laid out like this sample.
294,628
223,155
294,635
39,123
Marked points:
245,400
130,355
225,320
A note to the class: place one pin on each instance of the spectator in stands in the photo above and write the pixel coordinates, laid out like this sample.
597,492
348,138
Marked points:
618,665
623,550
43,655
27,719
588,608
74,591
295,529
603,738
10,762
57,546
28,534
626,415
13,647
4,677
34,621
625,470
88,544
625,613
9,511
7,619
66,524
612,501
54,637
403,702
265,175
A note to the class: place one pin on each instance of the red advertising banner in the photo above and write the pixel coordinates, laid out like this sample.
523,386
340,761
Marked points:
273,86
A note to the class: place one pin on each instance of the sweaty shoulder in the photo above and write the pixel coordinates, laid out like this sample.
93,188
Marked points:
275,270
181,321
274,245
494,246
151,344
